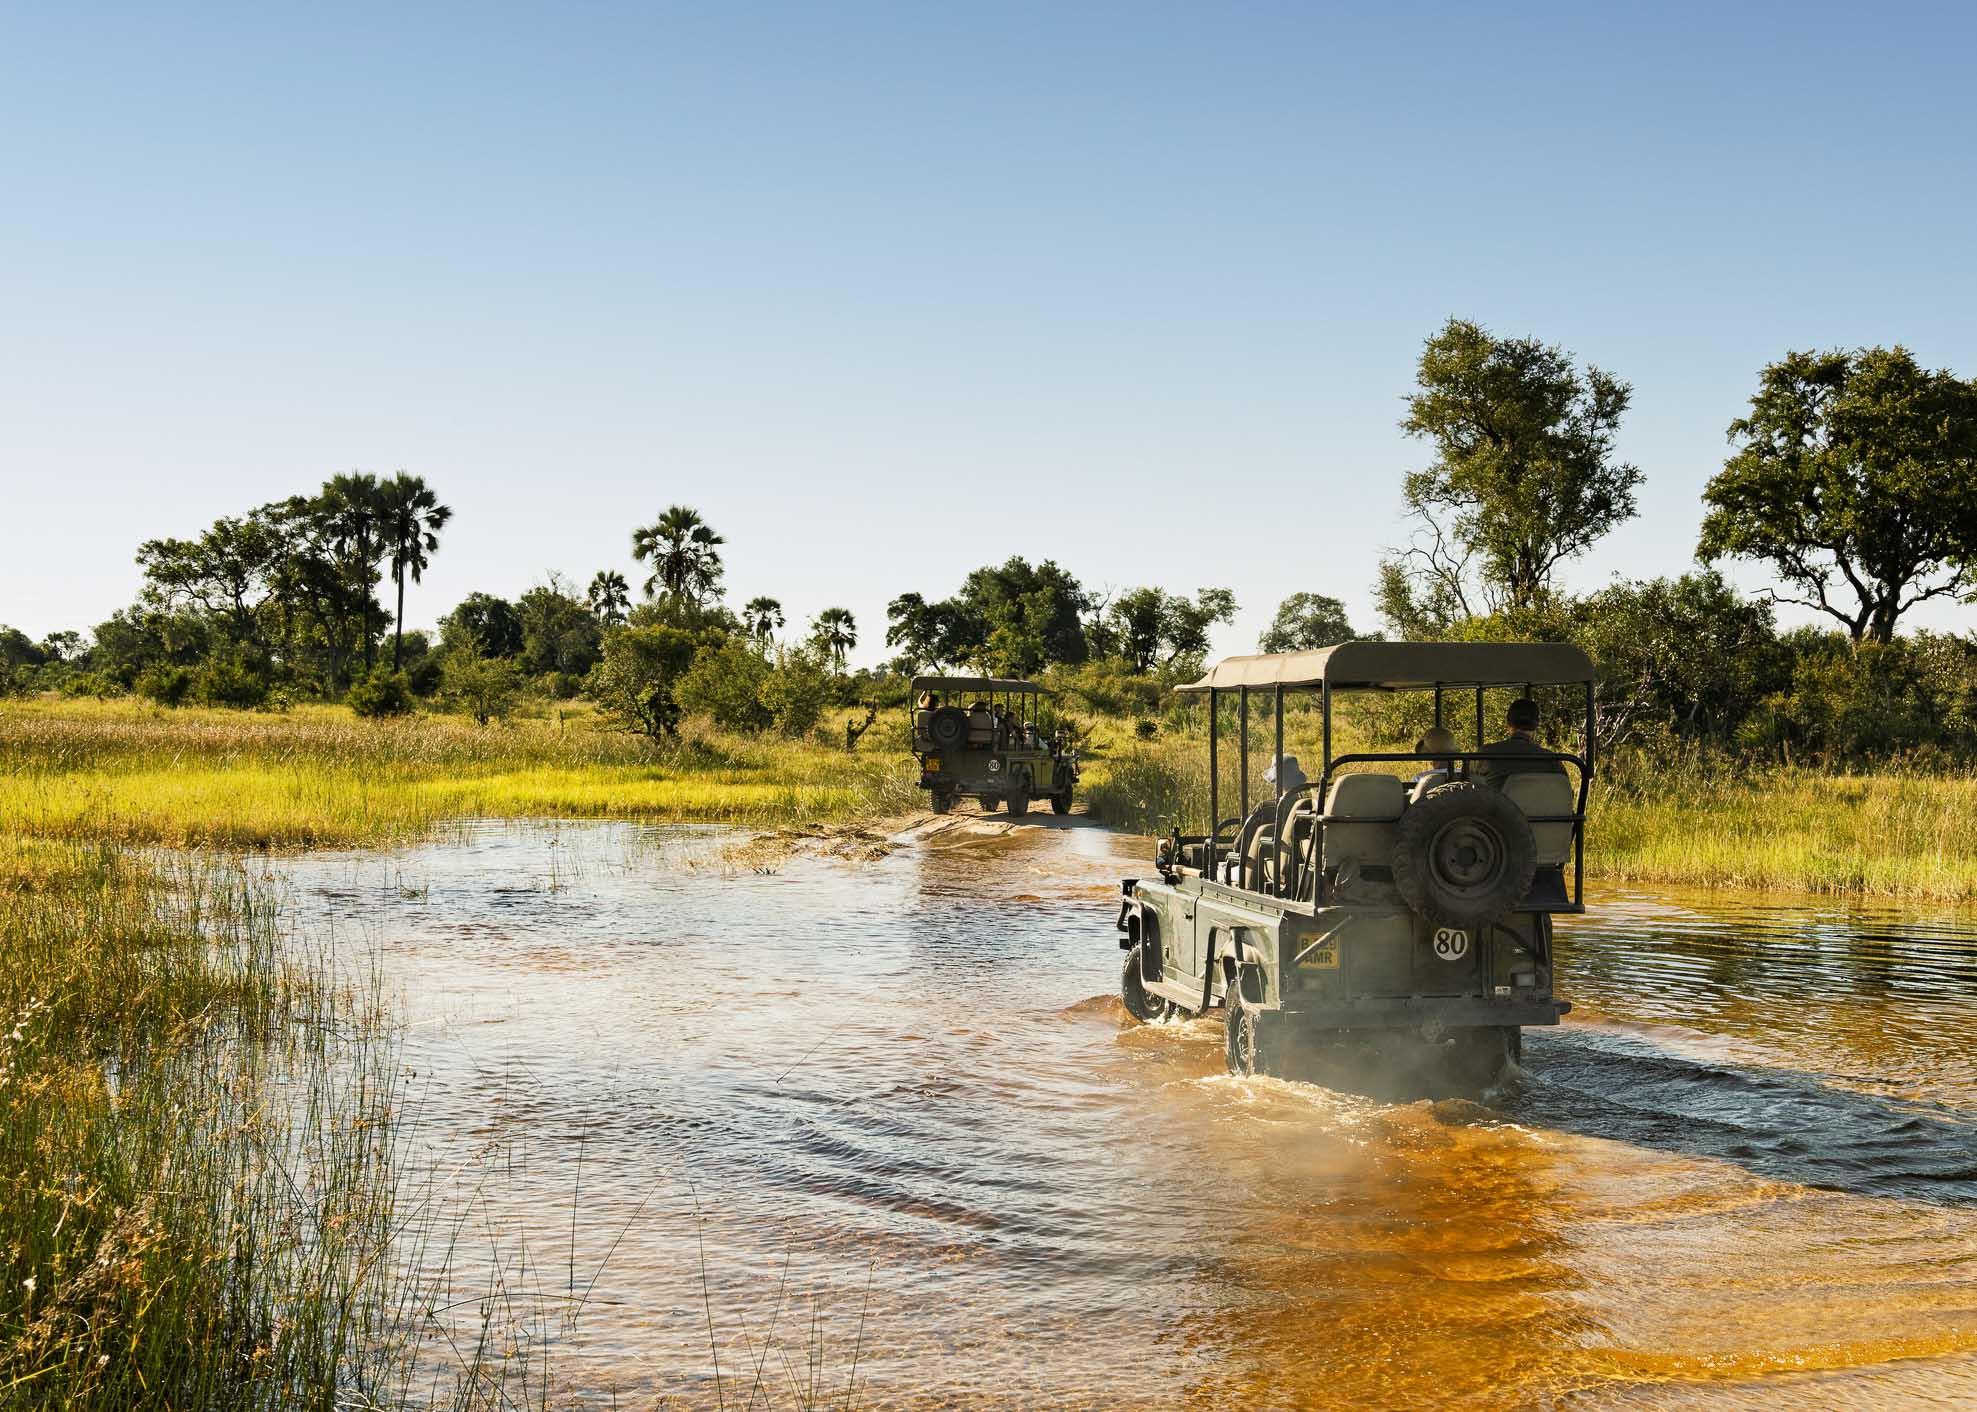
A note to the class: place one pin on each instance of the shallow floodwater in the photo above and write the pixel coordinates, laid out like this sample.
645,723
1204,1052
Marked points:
886,1120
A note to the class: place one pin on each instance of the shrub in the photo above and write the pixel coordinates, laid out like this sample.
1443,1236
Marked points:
165,684
382,693
725,684
91,684
633,684
226,681
484,687
796,691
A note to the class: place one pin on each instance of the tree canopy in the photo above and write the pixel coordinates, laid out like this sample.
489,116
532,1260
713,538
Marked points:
1855,479
1524,477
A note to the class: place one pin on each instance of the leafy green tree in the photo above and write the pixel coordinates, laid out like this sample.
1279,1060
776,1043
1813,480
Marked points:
483,624
1855,479
486,688
796,691
610,597
633,684
349,514
227,574
835,633
725,683
761,617
65,646
410,519
559,632
1525,475
1152,625
17,649
684,553
1305,621
925,634
1681,658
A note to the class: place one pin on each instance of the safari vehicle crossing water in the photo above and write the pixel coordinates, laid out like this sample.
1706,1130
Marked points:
1399,937
983,737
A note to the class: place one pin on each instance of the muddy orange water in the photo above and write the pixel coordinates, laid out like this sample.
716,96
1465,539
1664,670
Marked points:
881,1129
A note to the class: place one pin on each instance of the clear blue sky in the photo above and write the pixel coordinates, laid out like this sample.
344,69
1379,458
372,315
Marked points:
889,291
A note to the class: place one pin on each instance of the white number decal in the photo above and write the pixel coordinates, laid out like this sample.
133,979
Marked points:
1451,943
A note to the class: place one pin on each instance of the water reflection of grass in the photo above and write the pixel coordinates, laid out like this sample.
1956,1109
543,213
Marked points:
318,776
1891,834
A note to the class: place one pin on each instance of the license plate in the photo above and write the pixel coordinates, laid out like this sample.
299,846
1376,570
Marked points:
933,762
1322,957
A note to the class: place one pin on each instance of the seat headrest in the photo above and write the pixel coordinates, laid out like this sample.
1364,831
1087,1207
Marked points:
1537,792
1374,797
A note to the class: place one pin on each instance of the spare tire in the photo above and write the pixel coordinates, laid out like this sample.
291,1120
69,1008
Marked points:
948,728
1464,855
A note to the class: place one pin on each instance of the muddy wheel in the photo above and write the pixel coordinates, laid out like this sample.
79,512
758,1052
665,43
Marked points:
1019,801
1481,1058
1061,801
1245,1041
1464,855
1141,1005
943,800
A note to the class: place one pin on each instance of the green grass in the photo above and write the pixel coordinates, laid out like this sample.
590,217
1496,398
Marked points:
1889,834
194,1145
318,776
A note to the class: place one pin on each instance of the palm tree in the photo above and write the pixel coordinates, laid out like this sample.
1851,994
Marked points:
410,519
685,559
835,631
352,527
610,596
762,617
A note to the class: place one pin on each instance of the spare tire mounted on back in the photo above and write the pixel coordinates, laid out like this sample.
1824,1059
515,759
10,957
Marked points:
1464,855
948,728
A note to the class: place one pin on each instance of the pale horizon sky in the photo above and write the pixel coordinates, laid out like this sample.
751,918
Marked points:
892,291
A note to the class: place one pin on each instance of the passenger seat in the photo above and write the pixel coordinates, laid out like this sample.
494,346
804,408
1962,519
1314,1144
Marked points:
1538,794
1362,816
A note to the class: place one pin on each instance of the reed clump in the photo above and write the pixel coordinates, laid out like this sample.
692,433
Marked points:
195,1152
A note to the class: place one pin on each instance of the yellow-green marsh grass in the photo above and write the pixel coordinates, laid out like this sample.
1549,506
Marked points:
319,776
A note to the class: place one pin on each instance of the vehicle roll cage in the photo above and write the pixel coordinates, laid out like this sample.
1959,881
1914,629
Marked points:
1287,878
1021,699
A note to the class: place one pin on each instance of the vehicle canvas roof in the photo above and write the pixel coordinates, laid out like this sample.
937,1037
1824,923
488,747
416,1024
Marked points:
1400,666
976,684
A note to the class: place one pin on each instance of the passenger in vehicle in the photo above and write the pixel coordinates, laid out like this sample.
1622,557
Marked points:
1434,741
1519,752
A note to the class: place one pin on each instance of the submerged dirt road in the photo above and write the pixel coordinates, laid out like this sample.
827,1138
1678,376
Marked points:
885,1120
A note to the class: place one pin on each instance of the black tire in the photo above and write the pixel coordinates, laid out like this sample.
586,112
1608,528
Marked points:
943,800
1464,855
1245,1039
949,728
1141,1005
991,803
1019,801
1061,801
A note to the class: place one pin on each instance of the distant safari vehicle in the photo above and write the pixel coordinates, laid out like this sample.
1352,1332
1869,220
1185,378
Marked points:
980,736
1397,938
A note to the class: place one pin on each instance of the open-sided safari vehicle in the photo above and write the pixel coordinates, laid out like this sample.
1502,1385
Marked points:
981,736
1394,940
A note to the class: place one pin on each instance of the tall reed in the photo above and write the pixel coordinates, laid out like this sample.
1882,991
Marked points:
195,1146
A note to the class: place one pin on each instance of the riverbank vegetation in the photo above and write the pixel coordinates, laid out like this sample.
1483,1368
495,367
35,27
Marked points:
195,1147
316,776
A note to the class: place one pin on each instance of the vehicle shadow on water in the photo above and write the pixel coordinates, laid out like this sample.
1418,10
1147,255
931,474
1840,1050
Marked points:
1781,1124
